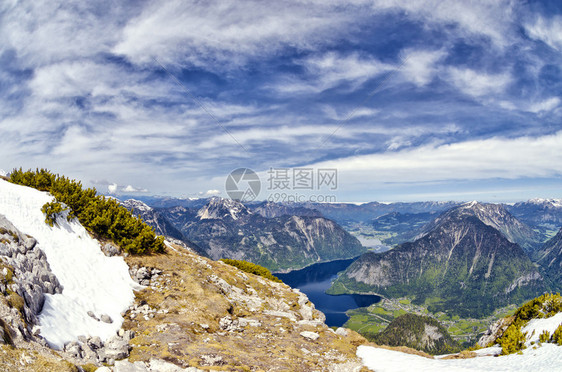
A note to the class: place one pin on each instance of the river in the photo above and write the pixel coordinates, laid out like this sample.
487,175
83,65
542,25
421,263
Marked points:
316,279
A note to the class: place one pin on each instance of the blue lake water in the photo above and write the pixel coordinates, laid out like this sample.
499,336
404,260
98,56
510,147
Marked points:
316,279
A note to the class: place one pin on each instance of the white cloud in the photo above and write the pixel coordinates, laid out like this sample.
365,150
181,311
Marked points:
473,160
547,30
130,188
544,106
420,65
493,19
331,69
112,188
210,193
477,84
201,32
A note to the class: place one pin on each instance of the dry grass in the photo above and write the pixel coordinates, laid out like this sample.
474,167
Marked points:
191,303
22,360
465,354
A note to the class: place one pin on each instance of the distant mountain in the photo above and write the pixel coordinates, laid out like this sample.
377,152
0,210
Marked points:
462,266
272,210
549,257
402,227
161,225
538,211
346,213
418,332
544,215
496,216
225,228
153,218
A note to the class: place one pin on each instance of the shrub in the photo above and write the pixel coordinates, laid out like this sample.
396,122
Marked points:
513,340
557,335
52,210
544,336
252,269
101,216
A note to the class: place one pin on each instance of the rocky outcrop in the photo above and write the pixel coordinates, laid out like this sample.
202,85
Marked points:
25,270
93,350
494,331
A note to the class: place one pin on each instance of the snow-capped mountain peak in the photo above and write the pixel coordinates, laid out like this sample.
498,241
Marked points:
218,208
137,205
553,203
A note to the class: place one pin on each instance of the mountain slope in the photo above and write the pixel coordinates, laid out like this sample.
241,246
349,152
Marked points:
461,266
496,216
549,257
224,228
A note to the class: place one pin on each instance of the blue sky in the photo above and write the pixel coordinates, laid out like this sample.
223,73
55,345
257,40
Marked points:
416,100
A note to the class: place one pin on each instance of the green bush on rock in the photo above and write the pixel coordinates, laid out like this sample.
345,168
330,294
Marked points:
252,269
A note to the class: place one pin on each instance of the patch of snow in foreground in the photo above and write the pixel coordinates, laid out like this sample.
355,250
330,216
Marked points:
537,326
548,357
91,281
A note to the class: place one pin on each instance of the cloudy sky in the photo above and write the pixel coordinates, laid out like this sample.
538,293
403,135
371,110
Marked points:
408,100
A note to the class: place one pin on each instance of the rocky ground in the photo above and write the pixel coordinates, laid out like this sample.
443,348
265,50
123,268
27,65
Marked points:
206,314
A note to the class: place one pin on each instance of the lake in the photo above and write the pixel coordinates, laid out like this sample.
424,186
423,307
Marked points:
316,279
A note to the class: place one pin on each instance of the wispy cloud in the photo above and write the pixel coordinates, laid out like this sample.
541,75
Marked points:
477,84
470,160
547,30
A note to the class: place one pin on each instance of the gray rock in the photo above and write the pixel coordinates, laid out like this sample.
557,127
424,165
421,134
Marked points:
341,332
116,348
32,276
126,366
106,319
74,349
110,249
313,336
95,342
92,315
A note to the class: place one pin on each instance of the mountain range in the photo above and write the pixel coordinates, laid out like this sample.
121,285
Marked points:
462,265
272,235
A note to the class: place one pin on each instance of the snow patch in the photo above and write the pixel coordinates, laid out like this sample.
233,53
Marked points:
3,173
548,357
537,326
91,281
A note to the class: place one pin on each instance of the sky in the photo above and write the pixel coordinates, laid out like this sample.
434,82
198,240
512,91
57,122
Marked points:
406,100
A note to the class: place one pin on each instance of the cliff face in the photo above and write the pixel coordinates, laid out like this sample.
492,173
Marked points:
462,265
